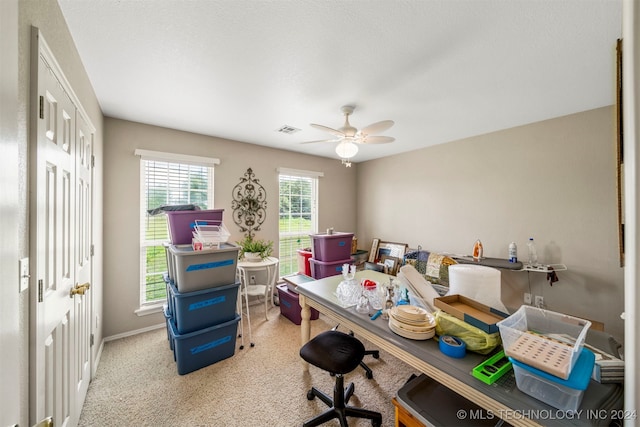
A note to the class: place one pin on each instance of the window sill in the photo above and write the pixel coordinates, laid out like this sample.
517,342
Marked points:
149,309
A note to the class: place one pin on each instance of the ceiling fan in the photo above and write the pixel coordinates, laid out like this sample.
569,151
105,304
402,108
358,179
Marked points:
347,136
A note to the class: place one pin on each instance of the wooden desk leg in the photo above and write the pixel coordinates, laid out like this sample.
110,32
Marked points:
305,326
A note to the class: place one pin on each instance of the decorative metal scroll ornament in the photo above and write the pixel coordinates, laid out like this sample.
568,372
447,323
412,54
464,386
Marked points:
249,204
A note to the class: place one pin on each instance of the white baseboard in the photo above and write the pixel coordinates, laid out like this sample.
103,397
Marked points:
135,332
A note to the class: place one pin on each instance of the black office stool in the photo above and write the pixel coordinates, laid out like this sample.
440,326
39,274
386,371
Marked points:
374,353
337,353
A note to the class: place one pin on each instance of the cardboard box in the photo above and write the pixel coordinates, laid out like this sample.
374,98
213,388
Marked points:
477,314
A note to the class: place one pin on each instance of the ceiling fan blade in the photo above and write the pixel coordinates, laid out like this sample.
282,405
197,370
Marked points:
376,139
321,140
377,127
327,129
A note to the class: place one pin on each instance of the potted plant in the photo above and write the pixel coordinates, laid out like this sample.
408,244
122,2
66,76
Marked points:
255,249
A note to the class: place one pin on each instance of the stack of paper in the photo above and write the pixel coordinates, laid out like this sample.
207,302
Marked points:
608,368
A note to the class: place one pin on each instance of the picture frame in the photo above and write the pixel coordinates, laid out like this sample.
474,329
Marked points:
373,253
392,249
390,263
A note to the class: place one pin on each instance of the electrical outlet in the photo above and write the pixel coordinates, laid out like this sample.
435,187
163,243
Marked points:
527,298
539,301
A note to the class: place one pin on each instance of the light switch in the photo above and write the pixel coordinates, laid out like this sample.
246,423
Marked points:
23,270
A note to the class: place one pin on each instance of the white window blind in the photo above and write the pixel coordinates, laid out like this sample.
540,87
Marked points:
298,215
166,180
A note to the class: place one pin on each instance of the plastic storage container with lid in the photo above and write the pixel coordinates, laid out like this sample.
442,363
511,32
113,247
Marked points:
303,262
290,305
322,269
433,405
197,270
200,309
182,223
544,339
203,347
566,394
331,247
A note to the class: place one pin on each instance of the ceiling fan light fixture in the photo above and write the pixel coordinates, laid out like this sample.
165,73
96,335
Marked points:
346,149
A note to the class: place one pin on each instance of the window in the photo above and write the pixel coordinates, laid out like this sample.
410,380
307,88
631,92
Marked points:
298,215
166,179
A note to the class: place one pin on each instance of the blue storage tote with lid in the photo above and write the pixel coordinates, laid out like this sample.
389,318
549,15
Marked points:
204,347
191,311
566,394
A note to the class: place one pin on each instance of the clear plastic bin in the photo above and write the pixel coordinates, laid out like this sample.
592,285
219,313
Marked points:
544,339
565,395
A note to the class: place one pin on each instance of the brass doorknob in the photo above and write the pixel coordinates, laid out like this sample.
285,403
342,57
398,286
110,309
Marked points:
79,289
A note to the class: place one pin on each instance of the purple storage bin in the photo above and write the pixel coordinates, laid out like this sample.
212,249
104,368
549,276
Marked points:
290,305
321,269
182,223
331,247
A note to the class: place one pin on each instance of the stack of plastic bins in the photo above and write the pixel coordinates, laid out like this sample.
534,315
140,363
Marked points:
329,253
548,357
201,305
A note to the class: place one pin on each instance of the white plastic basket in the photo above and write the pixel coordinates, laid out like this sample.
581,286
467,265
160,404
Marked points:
544,339
210,235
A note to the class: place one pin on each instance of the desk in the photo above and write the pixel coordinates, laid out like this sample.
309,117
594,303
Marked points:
502,398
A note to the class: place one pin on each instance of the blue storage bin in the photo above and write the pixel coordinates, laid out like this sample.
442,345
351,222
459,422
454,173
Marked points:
167,318
169,305
204,347
200,309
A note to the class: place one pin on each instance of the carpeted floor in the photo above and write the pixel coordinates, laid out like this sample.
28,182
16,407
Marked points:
137,382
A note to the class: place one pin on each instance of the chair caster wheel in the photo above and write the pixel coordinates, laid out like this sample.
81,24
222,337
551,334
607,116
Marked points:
253,344
310,395
376,355
241,347
376,423
369,375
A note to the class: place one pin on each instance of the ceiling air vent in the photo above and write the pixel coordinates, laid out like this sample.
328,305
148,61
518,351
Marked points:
288,129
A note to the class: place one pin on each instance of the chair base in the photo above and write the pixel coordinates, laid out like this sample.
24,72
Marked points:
376,355
338,407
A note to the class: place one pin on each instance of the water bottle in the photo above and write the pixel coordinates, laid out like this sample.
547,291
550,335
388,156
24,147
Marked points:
533,254
513,252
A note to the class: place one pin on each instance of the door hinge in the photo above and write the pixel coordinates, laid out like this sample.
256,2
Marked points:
40,290
91,341
41,107
91,252
93,161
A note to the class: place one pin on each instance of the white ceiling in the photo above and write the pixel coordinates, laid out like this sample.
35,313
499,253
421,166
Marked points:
441,69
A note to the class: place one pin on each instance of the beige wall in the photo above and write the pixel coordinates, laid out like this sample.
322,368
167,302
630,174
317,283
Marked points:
337,201
553,181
